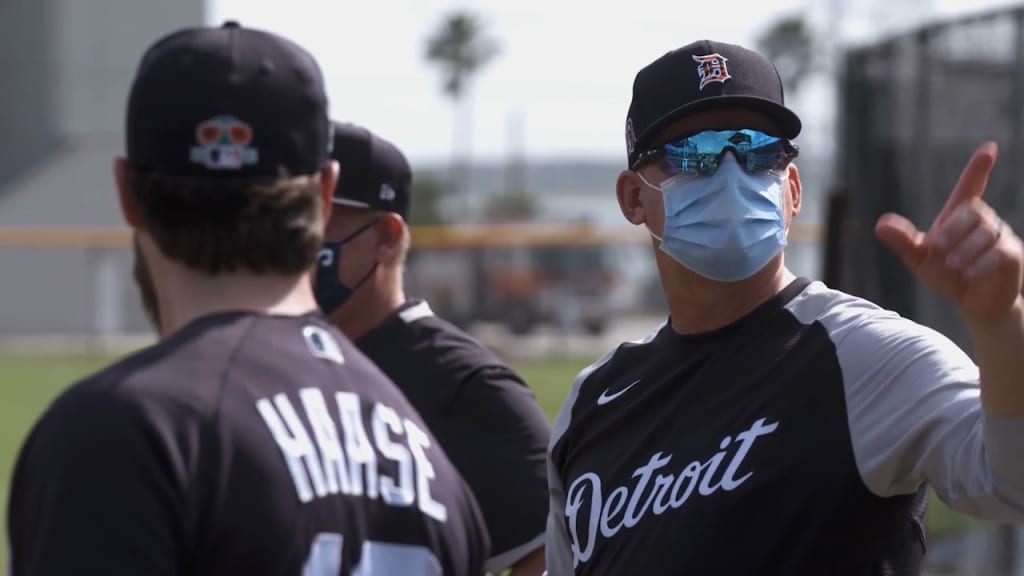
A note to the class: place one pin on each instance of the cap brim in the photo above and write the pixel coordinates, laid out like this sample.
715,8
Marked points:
786,120
352,203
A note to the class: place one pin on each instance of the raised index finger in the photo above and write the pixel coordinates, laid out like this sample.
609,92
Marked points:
972,182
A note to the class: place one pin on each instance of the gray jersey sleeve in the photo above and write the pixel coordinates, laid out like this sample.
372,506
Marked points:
559,553
914,410
557,547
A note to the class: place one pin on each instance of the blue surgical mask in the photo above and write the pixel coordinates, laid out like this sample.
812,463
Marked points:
328,289
726,226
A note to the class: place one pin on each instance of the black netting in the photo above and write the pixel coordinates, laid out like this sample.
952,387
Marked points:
913,110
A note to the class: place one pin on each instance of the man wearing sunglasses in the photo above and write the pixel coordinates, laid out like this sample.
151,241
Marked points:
773,425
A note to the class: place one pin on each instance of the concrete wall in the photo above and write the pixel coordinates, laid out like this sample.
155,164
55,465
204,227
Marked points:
67,66
28,57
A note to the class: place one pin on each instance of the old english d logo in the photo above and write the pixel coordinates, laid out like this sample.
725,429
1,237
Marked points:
711,68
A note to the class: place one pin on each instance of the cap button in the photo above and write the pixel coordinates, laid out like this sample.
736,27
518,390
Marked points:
231,24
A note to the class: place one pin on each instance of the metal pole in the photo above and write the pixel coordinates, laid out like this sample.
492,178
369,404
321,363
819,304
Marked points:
1010,200
923,181
1018,551
107,317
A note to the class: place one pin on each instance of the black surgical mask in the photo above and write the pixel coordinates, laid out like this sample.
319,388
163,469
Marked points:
328,289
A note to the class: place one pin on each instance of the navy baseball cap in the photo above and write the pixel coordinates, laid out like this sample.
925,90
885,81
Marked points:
228,101
373,172
699,76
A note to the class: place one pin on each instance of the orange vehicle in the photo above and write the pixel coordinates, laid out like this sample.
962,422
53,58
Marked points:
575,276
525,275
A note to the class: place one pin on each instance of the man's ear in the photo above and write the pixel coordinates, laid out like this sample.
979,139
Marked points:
328,180
795,189
125,196
392,231
627,189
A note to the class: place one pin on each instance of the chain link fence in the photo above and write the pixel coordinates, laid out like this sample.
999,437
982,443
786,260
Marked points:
913,109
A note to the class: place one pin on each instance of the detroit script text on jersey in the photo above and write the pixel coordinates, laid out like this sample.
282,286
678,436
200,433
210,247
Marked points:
798,440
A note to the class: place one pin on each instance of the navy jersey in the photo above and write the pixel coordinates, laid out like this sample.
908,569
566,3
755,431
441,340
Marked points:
242,444
797,440
483,414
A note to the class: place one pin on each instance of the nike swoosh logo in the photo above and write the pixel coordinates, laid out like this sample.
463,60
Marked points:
605,397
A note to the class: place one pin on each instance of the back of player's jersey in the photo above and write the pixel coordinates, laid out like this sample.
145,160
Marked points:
268,445
327,468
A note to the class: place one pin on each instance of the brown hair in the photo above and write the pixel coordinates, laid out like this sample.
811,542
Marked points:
221,225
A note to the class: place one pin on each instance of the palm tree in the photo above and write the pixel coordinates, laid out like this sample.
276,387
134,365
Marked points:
789,43
460,49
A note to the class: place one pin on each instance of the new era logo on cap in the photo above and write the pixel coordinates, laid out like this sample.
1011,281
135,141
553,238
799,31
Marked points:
374,172
228,101
699,76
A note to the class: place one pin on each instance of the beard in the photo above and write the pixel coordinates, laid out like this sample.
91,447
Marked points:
144,283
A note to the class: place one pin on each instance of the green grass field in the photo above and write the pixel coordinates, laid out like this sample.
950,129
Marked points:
28,383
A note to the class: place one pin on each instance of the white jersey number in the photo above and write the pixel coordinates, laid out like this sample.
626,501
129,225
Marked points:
377,559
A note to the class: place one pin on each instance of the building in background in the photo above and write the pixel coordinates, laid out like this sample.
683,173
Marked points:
74,61
68,65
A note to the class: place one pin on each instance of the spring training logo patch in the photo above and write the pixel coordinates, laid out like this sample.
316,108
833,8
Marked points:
223,144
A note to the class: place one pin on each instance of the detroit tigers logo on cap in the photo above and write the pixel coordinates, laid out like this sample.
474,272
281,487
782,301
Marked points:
224,144
711,68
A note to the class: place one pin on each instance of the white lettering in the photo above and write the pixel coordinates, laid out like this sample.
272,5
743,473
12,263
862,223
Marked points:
361,457
326,434
589,513
616,500
706,489
295,445
403,493
575,499
418,441
330,459
661,487
644,472
746,441
691,473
